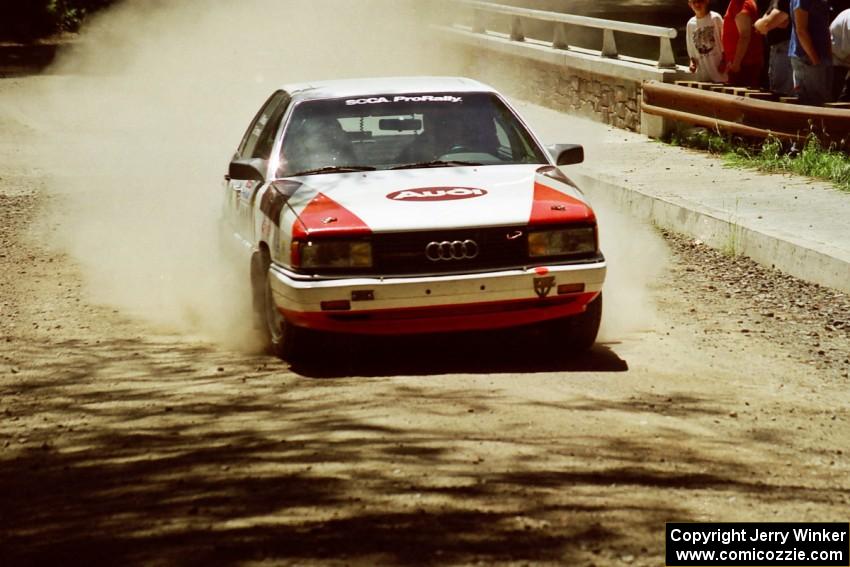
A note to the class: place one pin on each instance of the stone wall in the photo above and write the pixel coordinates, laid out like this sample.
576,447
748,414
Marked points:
576,81
612,100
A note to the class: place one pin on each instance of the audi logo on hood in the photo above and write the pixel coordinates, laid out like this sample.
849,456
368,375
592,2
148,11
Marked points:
436,194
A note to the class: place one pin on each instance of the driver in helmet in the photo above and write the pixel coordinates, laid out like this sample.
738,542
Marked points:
448,130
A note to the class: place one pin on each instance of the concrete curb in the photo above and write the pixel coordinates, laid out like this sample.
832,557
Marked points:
825,267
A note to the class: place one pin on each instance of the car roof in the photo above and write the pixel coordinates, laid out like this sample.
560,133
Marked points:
387,85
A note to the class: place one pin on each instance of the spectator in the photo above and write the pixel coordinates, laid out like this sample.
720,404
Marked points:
810,50
840,31
742,49
775,24
703,38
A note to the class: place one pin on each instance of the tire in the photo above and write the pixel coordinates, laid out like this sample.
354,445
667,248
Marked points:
578,333
283,339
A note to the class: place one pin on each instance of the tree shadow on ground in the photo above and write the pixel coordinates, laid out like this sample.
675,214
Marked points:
147,452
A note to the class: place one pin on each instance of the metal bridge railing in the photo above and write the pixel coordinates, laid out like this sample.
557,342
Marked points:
480,11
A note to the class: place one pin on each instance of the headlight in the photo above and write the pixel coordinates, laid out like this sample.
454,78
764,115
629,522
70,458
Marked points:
562,242
331,254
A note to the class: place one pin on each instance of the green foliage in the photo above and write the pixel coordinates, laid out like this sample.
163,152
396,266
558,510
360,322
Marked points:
812,159
27,20
703,139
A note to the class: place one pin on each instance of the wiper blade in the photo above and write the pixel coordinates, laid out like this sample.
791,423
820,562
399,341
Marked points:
435,163
334,169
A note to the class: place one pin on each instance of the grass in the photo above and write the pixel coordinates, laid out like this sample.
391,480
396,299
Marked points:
734,241
772,155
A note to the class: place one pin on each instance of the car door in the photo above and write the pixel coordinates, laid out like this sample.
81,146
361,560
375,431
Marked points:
256,147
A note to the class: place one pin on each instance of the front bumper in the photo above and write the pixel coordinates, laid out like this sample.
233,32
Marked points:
370,305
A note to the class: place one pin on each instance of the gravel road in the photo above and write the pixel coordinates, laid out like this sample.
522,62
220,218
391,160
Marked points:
125,442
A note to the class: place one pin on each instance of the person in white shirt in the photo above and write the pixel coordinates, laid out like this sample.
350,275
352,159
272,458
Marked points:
705,49
839,29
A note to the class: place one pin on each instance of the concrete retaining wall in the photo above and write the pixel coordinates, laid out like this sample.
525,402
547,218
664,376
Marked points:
819,263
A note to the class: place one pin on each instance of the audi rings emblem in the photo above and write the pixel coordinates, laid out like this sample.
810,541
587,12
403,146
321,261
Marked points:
451,250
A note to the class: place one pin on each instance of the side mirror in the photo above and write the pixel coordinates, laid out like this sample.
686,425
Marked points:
566,154
248,169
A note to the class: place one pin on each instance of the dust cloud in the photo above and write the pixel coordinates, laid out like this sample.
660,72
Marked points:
637,257
141,117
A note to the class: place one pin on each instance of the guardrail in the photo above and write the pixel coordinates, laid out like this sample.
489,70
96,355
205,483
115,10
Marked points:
480,11
742,115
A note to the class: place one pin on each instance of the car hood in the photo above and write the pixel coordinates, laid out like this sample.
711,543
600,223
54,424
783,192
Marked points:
433,199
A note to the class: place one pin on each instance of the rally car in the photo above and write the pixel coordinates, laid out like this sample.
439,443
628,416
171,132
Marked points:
409,205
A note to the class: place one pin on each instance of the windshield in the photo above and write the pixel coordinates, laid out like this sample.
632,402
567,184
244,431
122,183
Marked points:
404,131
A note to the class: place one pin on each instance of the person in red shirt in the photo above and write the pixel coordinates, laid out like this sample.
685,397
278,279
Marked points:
743,49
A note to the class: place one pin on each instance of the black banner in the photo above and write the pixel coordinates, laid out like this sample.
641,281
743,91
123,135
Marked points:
765,544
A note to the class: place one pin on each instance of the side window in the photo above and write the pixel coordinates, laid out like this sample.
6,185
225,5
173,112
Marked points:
258,126
264,144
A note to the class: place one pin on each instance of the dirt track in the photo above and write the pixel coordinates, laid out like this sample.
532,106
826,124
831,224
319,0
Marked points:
124,444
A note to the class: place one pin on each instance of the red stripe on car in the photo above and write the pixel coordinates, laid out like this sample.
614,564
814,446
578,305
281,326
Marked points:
443,318
325,217
550,206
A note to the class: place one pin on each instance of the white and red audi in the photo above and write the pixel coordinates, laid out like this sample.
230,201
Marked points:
410,205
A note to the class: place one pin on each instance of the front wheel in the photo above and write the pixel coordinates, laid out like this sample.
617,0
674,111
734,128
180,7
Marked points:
284,340
578,333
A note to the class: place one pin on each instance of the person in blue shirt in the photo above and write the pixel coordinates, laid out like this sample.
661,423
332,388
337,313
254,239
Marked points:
810,50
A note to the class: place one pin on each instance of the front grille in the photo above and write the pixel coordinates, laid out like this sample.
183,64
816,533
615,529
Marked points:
404,253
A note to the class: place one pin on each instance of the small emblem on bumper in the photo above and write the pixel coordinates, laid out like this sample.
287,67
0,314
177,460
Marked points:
542,286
